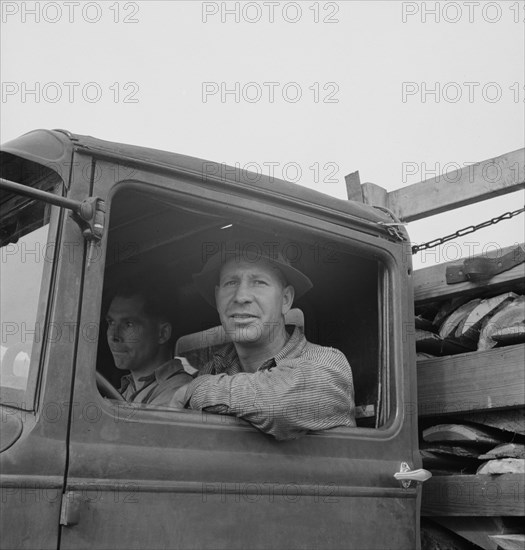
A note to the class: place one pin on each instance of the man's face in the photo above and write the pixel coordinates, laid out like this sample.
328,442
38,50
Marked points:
134,337
251,301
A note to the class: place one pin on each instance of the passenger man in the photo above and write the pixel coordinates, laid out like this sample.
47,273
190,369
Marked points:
139,337
270,375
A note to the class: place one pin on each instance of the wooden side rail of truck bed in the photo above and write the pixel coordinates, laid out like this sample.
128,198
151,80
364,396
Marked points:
471,405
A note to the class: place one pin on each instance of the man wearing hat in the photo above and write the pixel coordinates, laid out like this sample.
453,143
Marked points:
270,375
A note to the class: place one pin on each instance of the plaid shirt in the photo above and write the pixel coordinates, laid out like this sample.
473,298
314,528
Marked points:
304,387
158,387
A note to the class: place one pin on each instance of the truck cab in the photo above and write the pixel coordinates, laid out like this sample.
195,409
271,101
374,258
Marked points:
82,468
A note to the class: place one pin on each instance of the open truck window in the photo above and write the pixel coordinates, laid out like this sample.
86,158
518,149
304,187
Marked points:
160,236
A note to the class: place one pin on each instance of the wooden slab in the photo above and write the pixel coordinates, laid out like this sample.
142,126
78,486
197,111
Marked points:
509,542
353,187
428,342
428,310
430,282
510,335
462,433
460,451
442,464
469,327
436,537
447,308
420,355
510,315
474,495
424,324
374,194
471,184
503,466
507,450
448,328
476,530
472,381
509,420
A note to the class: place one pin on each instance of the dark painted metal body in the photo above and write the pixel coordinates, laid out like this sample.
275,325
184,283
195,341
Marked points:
133,478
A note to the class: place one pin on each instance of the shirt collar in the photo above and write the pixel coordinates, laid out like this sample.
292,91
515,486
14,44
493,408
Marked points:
294,347
226,358
160,374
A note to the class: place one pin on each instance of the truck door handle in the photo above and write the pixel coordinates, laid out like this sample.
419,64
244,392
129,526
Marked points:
70,512
406,475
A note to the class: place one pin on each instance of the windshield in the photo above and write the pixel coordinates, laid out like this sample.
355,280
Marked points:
21,269
24,251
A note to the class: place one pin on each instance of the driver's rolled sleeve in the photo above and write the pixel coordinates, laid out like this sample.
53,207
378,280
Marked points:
305,387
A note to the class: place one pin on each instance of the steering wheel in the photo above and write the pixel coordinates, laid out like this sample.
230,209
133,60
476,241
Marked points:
106,388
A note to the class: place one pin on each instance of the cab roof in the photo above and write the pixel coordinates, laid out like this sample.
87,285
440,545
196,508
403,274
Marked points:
54,149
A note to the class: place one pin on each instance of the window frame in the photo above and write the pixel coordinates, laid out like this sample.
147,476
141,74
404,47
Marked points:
384,252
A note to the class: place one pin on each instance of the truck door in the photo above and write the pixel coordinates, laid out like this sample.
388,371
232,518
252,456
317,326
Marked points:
147,477
40,293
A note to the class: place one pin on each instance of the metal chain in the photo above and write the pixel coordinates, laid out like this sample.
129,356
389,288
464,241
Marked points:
465,231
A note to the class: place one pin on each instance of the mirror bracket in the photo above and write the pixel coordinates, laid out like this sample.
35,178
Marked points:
88,214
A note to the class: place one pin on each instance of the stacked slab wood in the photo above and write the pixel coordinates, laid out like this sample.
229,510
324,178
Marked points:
465,324
471,406
473,447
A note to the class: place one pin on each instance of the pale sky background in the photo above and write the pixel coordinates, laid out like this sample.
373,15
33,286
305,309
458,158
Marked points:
149,62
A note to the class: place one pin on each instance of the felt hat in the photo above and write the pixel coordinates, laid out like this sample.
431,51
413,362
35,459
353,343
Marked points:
252,252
